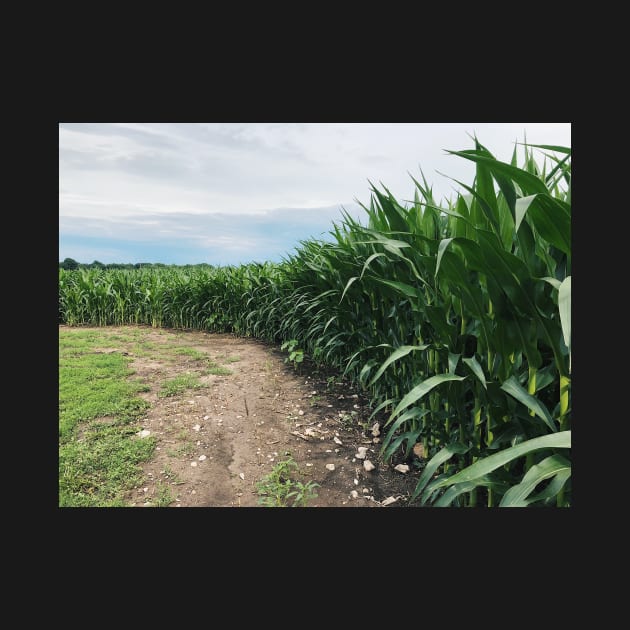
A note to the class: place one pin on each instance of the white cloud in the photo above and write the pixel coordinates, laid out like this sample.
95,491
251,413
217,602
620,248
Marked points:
145,181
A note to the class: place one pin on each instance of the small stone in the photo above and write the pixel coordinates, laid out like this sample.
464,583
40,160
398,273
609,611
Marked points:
376,429
205,418
197,427
368,465
242,476
356,482
330,466
389,500
402,468
336,440
202,457
144,433
362,452
354,494
193,464
300,413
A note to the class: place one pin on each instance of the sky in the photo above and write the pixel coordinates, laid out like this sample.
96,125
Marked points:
235,193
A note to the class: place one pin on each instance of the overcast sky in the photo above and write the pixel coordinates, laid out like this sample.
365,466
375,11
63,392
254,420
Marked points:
233,193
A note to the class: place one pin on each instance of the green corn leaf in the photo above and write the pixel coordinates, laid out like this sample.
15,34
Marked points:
549,147
551,466
486,465
529,183
551,217
552,489
394,356
460,488
402,287
476,369
348,285
369,260
435,462
515,389
422,389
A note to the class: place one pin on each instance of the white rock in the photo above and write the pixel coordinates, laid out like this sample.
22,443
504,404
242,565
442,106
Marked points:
402,468
356,482
336,440
205,418
197,427
376,429
330,466
242,476
354,494
300,413
193,464
202,457
143,433
389,500
368,465
361,452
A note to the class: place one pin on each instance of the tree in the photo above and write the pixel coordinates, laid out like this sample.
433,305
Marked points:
69,263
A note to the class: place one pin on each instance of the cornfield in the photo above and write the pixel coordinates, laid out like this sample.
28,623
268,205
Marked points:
454,318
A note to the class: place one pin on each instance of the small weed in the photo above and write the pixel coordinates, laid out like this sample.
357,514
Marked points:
296,355
188,448
348,420
178,385
163,496
171,476
277,489
192,353
219,370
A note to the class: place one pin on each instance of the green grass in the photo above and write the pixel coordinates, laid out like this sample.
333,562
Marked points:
219,370
179,384
280,489
99,455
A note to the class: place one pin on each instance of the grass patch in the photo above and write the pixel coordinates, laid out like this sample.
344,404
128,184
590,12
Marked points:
179,384
98,461
191,352
219,370
232,359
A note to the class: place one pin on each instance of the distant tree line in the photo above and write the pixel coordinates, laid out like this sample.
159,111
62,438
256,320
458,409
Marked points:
70,263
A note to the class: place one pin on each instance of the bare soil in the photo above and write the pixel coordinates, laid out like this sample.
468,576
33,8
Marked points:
216,442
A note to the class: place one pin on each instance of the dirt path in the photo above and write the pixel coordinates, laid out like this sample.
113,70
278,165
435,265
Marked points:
214,443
